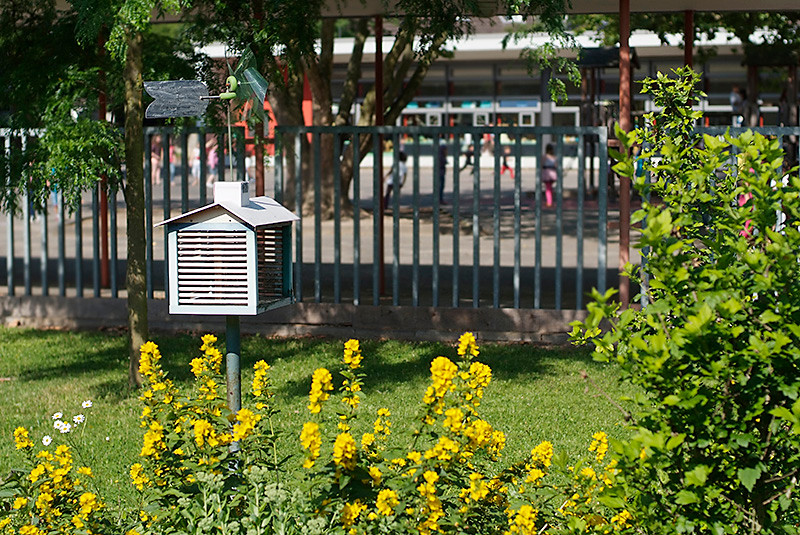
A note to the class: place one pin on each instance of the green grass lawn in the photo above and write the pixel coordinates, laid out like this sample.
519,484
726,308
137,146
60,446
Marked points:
536,394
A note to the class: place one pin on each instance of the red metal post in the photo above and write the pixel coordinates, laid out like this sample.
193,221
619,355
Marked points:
688,37
258,140
625,124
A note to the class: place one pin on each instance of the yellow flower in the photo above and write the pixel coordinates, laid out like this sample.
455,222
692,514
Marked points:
479,377
543,454
138,476
480,433
351,400
246,421
386,502
88,502
30,530
198,366
382,424
352,354
311,441
522,521
443,371
44,500
321,384
36,473
214,358
260,381
599,445
208,340
350,512
344,451
454,419
477,488
467,345
22,439
148,359
415,457
588,472
153,440
367,440
20,502
623,518
203,433
375,474
534,475
443,450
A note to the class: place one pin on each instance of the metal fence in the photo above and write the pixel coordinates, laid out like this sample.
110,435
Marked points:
45,250
493,242
413,252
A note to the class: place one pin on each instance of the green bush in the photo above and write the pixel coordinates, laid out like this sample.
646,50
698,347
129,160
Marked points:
716,347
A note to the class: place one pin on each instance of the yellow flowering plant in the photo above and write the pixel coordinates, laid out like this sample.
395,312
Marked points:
447,480
200,463
54,490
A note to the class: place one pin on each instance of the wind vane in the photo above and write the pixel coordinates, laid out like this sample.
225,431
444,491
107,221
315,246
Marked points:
188,98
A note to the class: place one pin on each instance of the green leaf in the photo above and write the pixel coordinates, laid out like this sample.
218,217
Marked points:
698,476
660,225
768,316
685,497
614,502
671,400
749,476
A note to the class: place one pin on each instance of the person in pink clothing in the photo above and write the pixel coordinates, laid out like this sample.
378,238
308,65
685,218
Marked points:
549,173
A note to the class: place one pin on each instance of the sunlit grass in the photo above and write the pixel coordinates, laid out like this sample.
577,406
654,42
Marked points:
536,394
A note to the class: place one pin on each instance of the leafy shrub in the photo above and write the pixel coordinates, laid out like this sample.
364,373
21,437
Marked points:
717,344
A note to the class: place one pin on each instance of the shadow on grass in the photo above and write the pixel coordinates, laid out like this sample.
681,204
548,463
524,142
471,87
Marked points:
388,364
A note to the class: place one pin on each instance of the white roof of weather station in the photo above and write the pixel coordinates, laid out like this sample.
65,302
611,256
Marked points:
232,198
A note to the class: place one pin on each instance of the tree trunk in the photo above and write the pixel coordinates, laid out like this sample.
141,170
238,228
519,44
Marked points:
135,278
398,93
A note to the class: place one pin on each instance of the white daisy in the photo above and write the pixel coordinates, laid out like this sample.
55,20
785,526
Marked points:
86,404
66,428
78,419
57,415
46,440
58,424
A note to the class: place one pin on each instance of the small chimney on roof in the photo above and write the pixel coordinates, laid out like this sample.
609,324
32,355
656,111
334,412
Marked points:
232,193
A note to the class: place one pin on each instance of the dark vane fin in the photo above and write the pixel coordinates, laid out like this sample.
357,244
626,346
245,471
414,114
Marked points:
176,98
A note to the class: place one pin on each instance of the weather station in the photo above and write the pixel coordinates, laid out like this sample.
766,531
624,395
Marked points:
232,257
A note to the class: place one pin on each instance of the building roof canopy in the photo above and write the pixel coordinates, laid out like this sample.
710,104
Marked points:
361,8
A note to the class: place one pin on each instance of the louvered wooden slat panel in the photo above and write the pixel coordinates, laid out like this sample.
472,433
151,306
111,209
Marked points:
270,263
212,268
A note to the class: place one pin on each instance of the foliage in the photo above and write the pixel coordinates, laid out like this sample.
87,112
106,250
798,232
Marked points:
717,346
755,29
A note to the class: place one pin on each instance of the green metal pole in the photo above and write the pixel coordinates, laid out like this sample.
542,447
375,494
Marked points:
233,349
